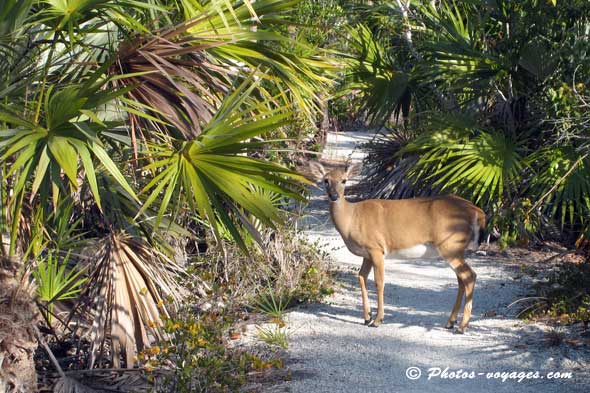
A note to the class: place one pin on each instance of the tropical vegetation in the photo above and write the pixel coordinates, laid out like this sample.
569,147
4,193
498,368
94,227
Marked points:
149,151
485,99
127,128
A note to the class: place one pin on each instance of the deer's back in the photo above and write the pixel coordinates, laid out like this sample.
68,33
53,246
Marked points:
412,226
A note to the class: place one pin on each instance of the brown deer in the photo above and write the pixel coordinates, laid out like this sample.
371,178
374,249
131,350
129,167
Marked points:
443,226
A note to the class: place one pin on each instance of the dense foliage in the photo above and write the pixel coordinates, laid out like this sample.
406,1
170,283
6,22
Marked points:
139,138
485,99
128,127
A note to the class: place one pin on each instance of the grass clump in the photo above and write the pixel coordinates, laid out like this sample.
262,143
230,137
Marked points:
274,335
272,304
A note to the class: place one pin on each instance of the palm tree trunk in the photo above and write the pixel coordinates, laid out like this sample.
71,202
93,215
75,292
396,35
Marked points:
18,340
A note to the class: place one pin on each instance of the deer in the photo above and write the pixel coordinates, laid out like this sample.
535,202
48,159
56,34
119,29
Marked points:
427,227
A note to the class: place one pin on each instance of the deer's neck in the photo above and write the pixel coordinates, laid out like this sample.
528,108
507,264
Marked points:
341,212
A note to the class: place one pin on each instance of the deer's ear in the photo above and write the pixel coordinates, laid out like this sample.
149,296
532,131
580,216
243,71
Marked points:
353,170
317,170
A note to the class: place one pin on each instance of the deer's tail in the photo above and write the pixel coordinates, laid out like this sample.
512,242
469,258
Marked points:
478,226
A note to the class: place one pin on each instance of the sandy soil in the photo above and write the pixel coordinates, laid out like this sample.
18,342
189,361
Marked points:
332,351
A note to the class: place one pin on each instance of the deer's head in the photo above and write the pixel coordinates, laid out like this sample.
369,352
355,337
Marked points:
335,180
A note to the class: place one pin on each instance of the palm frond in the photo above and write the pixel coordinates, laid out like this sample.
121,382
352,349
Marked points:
483,168
61,143
212,174
181,74
128,293
374,72
454,56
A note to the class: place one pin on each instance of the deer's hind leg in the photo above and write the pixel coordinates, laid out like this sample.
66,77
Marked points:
452,249
467,276
460,293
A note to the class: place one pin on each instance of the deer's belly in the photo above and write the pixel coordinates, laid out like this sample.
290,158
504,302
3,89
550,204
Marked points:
418,251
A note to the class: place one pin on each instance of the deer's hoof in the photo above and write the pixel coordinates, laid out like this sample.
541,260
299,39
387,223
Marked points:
375,323
450,324
459,330
369,321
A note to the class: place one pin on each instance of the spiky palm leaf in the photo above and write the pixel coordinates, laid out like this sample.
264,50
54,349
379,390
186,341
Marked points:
66,140
213,175
454,52
483,167
54,283
374,72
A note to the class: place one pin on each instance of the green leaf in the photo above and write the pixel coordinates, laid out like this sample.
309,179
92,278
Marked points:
110,166
65,155
40,172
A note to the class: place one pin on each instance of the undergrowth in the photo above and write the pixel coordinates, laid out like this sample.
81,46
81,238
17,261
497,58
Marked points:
196,358
564,297
284,271
284,264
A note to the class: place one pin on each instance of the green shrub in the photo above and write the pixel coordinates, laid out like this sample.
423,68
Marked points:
285,263
196,357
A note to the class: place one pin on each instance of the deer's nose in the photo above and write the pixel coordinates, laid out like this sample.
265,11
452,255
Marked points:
333,197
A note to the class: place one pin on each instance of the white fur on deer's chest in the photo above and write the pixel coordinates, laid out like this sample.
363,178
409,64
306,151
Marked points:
417,251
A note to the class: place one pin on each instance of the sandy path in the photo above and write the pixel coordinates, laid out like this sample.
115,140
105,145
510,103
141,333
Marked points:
331,351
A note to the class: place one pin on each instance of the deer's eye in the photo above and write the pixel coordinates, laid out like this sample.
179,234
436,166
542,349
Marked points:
343,181
326,181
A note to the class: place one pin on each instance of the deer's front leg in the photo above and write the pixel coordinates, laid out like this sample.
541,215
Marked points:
363,275
379,274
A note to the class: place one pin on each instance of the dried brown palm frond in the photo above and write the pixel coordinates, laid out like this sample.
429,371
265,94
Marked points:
129,291
18,340
174,81
180,75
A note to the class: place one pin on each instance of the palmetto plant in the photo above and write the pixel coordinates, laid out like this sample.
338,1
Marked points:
215,177
484,167
42,152
376,74
142,116
509,129
55,283
182,73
